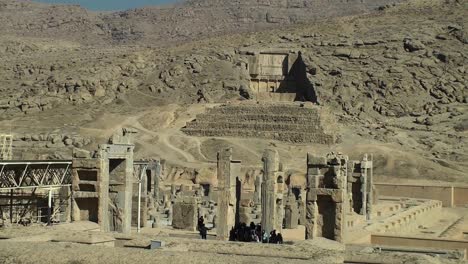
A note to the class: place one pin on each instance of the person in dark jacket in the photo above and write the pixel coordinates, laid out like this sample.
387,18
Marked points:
203,231
279,238
201,222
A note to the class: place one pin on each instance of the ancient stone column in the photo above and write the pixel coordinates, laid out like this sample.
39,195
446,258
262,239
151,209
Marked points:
366,166
269,210
157,175
173,192
226,194
291,214
257,191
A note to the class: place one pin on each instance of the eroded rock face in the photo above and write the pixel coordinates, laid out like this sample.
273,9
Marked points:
187,20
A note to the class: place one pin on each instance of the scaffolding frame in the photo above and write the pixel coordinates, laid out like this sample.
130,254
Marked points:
34,174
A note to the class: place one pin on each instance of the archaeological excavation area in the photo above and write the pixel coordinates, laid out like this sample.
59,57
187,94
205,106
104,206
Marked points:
286,132
330,211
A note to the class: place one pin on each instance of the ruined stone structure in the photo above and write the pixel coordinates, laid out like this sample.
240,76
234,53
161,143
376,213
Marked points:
360,187
185,213
104,185
258,191
272,192
86,186
290,122
146,176
228,193
326,183
278,75
336,187
291,213
6,142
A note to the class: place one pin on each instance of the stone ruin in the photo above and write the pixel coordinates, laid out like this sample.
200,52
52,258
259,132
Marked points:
103,186
272,192
281,105
289,122
277,75
229,190
108,187
185,213
336,187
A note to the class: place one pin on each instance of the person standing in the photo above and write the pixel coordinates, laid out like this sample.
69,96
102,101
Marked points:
203,231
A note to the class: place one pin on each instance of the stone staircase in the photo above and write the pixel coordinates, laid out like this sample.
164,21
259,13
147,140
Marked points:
289,122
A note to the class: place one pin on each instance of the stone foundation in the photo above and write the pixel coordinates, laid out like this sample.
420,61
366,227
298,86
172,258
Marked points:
290,122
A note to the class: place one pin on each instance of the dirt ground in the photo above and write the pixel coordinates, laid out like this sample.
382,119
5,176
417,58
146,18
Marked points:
33,245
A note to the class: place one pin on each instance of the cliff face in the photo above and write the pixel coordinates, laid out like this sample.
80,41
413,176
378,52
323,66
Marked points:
168,24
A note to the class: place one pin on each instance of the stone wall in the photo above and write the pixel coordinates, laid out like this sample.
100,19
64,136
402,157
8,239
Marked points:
290,122
185,213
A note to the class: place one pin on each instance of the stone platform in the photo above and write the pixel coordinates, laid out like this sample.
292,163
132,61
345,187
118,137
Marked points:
290,122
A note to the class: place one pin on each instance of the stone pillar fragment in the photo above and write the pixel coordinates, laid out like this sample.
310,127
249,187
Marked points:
291,215
185,213
258,191
228,172
157,175
270,219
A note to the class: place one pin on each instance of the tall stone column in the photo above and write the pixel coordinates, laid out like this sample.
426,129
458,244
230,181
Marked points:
257,191
367,201
269,210
157,175
173,192
313,175
226,194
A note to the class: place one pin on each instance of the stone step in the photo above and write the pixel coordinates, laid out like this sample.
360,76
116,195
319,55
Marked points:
263,127
258,118
268,110
294,137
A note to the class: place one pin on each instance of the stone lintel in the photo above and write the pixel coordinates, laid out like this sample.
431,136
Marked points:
336,194
316,161
86,164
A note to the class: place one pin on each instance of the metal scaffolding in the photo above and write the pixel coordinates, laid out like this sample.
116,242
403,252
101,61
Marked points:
34,174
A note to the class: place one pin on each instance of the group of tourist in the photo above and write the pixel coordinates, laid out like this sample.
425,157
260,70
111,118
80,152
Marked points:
254,233
244,233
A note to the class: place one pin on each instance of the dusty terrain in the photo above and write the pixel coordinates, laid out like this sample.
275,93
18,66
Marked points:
37,244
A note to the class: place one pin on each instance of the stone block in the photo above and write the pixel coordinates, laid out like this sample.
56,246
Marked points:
316,161
185,214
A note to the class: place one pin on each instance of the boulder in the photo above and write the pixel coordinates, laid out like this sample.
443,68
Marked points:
412,45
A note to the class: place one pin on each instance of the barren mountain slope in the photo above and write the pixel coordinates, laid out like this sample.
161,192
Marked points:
396,81
189,20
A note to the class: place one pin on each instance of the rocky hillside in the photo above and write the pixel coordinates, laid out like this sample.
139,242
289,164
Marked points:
195,19
395,78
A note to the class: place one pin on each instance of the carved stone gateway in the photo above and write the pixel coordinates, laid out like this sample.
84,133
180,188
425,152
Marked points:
336,187
103,185
326,181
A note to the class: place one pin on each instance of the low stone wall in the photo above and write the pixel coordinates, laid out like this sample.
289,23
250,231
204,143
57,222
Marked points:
449,195
290,122
419,242
406,219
